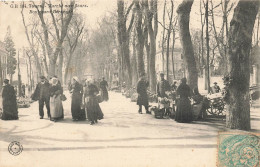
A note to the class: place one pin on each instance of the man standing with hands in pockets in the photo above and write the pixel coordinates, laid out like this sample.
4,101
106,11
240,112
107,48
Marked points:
142,99
42,94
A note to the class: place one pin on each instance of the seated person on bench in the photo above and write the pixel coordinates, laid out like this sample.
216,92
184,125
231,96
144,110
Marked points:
215,88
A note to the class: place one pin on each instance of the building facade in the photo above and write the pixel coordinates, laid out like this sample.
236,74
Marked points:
161,65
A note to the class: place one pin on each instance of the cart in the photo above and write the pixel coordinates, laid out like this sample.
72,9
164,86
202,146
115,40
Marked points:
254,93
216,104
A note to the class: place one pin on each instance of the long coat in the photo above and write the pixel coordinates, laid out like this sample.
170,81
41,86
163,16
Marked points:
142,92
104,93
9,103
184,110
77,92
42,91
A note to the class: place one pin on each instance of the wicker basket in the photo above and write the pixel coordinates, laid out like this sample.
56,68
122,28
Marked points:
159,113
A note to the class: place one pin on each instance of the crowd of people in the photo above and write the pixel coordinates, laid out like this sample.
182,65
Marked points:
181,95
86,96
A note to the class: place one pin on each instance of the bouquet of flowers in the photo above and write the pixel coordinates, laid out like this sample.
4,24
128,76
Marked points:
164,100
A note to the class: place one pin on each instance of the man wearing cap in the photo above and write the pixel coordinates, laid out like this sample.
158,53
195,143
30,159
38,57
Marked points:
215,88
9,102
162,86
42,94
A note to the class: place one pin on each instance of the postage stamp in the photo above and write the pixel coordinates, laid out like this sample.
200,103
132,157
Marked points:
238,149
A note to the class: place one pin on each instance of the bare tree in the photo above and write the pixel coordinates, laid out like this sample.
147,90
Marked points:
31,35
60,33
140,38
75,33
169,31
123,39
188,54
152,25
207,44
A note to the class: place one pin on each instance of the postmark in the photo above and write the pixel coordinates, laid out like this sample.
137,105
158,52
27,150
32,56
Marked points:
238,149
15,148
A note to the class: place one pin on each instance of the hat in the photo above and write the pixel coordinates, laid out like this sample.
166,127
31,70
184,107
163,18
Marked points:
76,78
54,81
215,83
6,81
183,80
161,74
42,77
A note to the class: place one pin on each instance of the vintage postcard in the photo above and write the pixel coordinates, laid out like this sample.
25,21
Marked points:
129,83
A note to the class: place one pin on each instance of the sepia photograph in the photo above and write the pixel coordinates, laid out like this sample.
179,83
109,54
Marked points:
130,83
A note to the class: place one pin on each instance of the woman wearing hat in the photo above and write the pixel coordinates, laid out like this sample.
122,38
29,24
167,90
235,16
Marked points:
183,111
9,102
76,90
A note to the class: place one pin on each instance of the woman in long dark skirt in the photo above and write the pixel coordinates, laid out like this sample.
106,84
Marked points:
184,111
94,111
77,91
10,111
103,87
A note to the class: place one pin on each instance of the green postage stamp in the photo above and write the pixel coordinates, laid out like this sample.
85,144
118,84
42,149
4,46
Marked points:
238,149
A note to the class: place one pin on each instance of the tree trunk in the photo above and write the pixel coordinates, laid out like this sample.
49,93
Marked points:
147,49
68,66
185,38
140,40
60,66
239,44
169,31
52,67
152,36
163,38
1,75
257,29
123,35
168,54
207,44
134,62
173,43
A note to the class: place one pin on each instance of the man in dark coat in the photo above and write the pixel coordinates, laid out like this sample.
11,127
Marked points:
42,94
163,86
103,86
142,99
9,102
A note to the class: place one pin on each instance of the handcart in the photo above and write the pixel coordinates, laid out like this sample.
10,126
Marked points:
216,104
